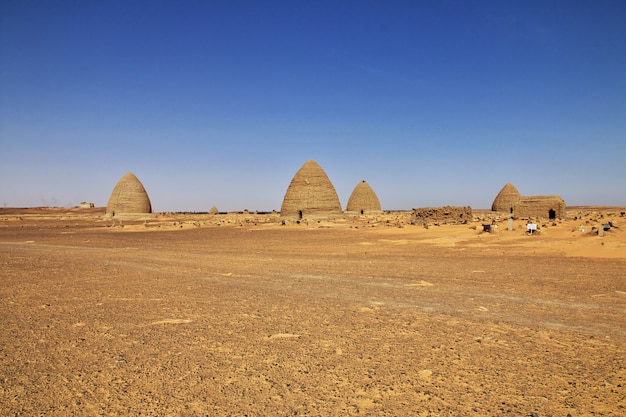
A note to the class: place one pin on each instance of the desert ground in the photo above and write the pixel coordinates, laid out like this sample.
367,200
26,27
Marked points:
241,315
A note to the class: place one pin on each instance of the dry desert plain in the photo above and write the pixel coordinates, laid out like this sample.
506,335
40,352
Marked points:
240,315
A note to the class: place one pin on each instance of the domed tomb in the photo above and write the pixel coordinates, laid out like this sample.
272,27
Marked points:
506,199
363,199
128,198
310,194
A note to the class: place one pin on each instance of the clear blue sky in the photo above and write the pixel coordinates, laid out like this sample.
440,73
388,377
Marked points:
221,102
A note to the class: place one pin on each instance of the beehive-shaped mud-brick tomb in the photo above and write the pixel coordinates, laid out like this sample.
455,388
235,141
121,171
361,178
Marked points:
510,201
310,195
363,200
506,199
129,198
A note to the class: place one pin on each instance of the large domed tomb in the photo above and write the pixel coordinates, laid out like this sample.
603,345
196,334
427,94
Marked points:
310,195
506,199
128,198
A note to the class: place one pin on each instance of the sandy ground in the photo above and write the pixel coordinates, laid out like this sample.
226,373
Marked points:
194,315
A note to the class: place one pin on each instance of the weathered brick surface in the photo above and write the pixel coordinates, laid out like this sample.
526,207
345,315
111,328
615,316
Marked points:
549,206
129,197
310,195
506,199
363,199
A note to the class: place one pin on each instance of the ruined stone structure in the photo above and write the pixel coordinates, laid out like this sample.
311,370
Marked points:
510,201
86,204
129,198
310,195
363,200
446,215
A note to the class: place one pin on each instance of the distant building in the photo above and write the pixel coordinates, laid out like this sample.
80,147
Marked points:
310,195
510,201
129,198
86,205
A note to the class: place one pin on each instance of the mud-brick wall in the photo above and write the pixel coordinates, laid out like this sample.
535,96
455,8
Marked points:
540,207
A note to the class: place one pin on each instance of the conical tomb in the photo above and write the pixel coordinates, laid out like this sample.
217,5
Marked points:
506,199
310,194
128,198
363,199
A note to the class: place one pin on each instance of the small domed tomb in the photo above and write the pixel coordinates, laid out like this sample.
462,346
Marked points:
363,199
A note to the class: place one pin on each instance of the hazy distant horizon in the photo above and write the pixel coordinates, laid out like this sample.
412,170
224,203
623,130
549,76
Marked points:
56,204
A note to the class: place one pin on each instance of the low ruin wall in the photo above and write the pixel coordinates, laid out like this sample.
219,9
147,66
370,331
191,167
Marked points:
445,215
